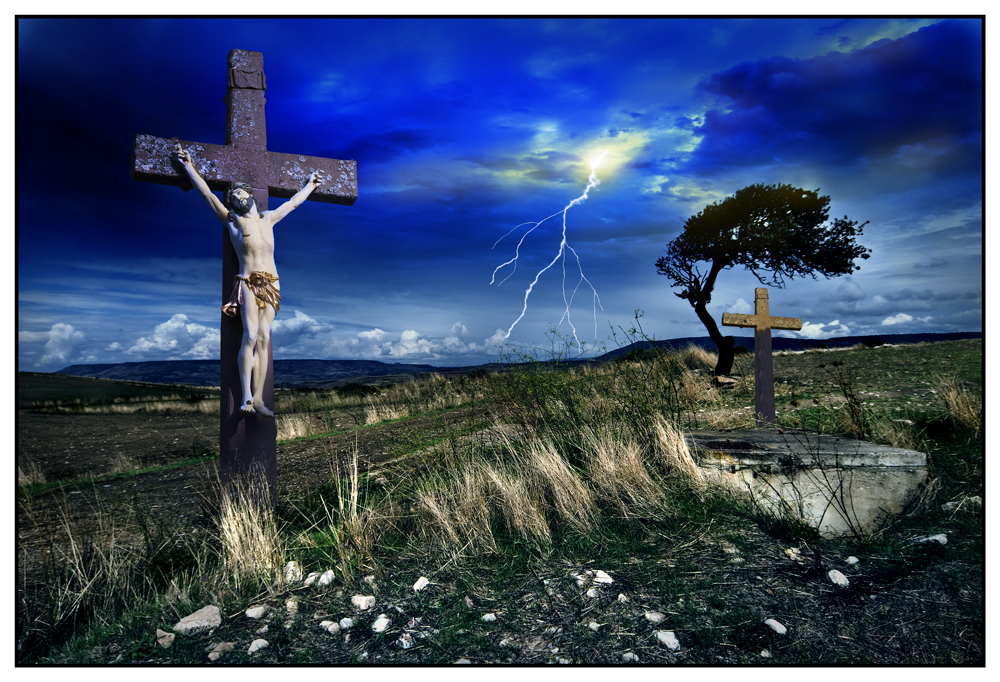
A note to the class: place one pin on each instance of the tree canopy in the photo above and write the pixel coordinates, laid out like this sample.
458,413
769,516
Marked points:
777,232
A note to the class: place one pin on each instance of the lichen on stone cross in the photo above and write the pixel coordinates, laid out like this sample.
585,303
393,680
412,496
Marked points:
763,375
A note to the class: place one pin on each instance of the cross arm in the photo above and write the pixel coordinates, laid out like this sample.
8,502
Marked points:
153,160
740,320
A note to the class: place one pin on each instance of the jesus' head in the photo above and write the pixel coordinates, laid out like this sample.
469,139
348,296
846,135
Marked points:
239,198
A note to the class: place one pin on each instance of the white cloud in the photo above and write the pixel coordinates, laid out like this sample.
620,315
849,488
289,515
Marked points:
823,331
898,318
60,342
178,337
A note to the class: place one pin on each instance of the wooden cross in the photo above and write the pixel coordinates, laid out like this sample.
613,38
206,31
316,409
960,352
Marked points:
763,371
246,442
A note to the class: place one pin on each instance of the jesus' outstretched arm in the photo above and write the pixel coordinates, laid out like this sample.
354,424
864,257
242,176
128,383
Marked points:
220,211
314,181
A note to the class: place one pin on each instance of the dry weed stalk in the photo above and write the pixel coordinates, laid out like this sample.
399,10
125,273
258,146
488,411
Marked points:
615,467
962,407
555,482
252,546
29,474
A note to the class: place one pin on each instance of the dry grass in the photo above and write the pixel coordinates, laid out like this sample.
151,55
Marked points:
29,474
252,546
962,407
696,357
377,411
121,463
615,467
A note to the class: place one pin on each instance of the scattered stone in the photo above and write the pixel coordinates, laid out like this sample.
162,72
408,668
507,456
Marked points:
293,572
346,623
362,602
851,560
622,599
765,654
489,617
405,640
654,617
164,639
793,554
564,661
326,578
421,583
311,578
292,606
463,661
257,645
966,503
202,619
629,657
261,631
602,578
593,593
838,578
219,649
505,641
256,612
381,623
594,625
330,626
370,579
468,602
776,626
939,538
554,630
668,639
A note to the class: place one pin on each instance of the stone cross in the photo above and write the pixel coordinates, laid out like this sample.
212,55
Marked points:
246,442
763,371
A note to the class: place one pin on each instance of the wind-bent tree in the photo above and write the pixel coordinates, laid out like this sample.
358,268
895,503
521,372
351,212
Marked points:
776,230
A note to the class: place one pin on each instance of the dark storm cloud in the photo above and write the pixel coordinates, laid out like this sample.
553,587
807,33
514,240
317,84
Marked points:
844,107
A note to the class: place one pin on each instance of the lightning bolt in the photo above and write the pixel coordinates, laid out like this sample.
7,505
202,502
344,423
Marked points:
592,182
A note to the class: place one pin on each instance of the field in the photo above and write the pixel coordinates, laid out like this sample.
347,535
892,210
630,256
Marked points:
508,491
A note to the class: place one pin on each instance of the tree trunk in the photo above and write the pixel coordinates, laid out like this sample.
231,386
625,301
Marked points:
725,344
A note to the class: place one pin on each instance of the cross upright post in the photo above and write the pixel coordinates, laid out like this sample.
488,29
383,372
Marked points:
763,372
247,442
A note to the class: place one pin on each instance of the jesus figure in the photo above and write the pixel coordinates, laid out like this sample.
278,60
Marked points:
256,294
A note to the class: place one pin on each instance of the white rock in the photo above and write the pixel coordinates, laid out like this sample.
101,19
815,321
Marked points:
421,583
668,639
622,599
326,578
164,639
405,640
292,606
629,657
293,572
330,626
505,641
463,661
851,560
966,503
256,612
363,602
220,649
346,623
776,626
940,538
592,592
602,578
765,654
594,625
489,617
654,617
202,619
838,578
311,578
261,631
564,661
381,623
257,645
370,579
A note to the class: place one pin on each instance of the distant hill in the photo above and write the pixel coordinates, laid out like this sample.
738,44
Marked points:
331,373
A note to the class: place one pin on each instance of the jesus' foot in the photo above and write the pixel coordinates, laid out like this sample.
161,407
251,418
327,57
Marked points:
247,407
263,411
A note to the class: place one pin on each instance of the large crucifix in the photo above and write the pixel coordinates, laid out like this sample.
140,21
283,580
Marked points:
763,369
246,436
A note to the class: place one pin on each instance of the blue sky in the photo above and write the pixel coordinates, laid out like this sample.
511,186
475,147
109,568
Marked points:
467,130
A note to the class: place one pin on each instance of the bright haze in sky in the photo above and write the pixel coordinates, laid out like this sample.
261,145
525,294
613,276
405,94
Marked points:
466,130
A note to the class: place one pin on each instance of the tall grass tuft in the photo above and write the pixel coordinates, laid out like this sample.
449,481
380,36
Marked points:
615,467
253,549
962,407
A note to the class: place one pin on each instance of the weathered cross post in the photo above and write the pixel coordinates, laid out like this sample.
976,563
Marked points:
763,371
246,441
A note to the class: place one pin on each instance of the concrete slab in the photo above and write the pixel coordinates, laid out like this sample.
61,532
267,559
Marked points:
840,485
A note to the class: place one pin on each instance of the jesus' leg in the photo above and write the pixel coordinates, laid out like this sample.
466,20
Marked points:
249,316
265,318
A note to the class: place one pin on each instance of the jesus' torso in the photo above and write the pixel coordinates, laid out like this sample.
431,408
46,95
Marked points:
253,239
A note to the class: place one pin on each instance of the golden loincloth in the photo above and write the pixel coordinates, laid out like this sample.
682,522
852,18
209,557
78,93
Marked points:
264,291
